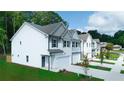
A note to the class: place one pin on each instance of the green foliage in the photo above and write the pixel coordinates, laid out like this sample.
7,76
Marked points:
122,71
11,21
3,39
45,18
85,61
109,46
94,34
118,37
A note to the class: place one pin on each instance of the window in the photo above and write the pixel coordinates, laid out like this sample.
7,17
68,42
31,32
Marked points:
68,44
64,43
73,44
76,44
27,58
20,42
87,44
54,42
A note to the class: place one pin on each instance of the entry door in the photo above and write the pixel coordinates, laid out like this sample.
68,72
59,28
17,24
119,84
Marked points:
43,61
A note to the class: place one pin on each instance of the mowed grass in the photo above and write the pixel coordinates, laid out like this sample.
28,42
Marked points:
113,56
105,62
99,67
120,51
15,72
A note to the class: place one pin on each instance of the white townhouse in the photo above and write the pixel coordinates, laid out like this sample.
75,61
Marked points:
95,47
86,45
50,46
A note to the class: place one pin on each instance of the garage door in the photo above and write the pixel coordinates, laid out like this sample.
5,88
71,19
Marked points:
62,62
75,58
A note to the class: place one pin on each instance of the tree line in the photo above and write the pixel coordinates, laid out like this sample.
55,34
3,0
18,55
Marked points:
10,21
117,38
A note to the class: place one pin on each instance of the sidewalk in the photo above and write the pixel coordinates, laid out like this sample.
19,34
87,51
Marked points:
113,75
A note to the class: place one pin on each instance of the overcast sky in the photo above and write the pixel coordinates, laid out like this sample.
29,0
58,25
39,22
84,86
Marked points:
104,22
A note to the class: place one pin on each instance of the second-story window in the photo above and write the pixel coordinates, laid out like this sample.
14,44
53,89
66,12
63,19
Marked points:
68,43
54,42
76,44
73,44
64,43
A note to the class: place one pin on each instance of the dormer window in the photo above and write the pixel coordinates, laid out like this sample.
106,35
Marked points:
54,42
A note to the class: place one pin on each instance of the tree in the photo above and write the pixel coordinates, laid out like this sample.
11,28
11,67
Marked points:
47,17
85,63
94,34
109,47
101,54
3,38
121,40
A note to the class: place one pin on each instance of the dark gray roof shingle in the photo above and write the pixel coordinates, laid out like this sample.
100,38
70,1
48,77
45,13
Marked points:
48,29
55,51
84,36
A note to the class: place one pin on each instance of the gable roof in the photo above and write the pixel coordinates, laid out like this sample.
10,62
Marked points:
72,33
47,29
84,36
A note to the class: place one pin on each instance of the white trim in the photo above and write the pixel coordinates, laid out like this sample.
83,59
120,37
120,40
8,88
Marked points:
26,23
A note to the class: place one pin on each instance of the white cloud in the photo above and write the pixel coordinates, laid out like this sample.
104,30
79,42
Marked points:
106,22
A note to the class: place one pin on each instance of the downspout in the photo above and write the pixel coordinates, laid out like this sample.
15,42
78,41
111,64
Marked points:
80,50
49,56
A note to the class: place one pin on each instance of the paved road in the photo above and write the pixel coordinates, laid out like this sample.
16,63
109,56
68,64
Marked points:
113,75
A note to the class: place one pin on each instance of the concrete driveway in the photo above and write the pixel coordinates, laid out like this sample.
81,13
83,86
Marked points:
113,75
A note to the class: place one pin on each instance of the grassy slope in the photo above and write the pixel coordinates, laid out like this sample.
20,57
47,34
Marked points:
12,72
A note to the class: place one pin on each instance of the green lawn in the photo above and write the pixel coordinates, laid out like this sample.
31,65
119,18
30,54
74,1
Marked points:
15,72
105,62
122,71
121,51
113,56
99,67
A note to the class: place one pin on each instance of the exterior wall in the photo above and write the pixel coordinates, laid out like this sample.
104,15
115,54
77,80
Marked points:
29,42
33,44
88,47
94,48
